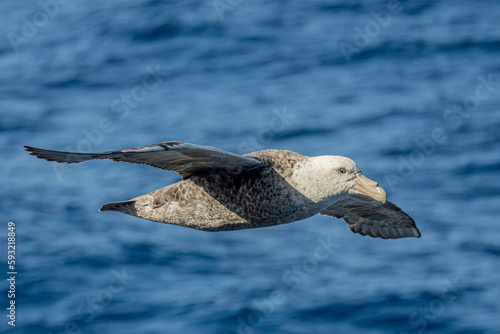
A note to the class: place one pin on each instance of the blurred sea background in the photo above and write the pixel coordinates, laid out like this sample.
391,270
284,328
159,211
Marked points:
409,90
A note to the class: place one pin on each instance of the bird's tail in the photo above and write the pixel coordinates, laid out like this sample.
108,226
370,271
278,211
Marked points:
127,207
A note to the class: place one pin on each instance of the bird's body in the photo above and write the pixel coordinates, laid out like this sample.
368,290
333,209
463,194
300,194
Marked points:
223,191
218,202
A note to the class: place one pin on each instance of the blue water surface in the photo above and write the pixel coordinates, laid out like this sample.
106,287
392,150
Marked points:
410,90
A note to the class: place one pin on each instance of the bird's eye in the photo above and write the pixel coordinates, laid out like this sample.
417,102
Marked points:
342,170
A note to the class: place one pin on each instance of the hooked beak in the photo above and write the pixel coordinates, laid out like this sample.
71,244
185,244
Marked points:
369,188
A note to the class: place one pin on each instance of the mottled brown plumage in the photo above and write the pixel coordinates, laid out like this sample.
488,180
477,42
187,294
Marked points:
222,191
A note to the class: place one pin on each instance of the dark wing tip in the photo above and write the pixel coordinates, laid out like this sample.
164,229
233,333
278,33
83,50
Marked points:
37,152
384,232
29,149
57,156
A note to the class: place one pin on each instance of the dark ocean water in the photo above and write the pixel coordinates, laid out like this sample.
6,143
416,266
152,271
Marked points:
408,90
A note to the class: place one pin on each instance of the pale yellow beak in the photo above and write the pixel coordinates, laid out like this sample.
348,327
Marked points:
369,188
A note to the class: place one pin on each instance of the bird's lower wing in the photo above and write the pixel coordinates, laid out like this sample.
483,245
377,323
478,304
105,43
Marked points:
367,216
183,158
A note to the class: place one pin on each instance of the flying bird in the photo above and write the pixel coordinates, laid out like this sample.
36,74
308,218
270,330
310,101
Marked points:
222,191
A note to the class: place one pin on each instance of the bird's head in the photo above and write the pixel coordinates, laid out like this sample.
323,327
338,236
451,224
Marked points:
339,177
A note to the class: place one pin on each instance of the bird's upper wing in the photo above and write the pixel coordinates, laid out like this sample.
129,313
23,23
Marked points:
367,216
183,158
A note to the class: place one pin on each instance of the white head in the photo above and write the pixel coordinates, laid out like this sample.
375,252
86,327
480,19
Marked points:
331,178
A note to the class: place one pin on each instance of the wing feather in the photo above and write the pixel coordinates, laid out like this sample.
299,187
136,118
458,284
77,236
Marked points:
183,158
367,216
